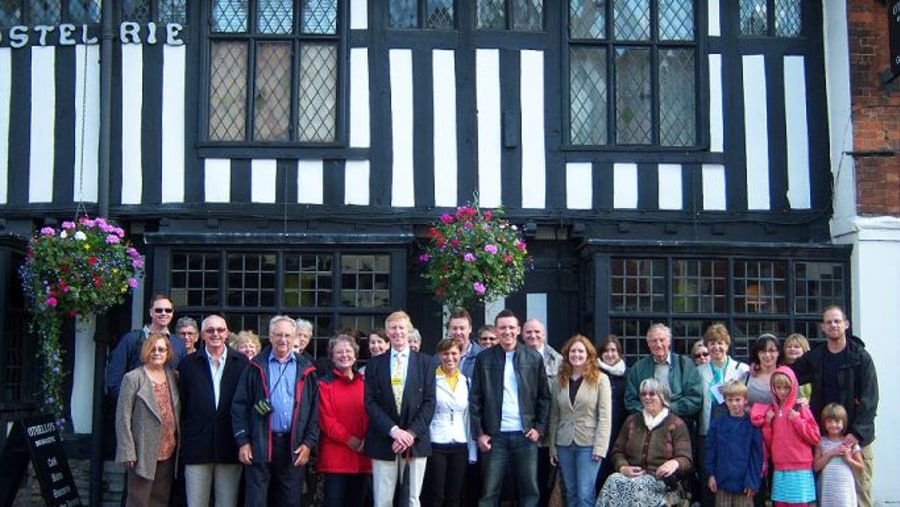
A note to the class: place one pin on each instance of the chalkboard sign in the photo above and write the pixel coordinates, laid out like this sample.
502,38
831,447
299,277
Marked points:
38,438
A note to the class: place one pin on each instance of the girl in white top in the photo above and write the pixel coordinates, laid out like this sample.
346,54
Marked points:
836,460
451,446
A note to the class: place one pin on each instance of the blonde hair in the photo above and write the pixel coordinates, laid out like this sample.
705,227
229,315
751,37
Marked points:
399,315
780,379
717,333
735,388
799,339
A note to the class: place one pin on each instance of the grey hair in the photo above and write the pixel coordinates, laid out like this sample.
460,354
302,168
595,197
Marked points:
663,327
304,325
415,336
282,318
662,390
186,322
346,338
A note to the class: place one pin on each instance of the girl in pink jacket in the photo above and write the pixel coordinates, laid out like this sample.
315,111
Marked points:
790,433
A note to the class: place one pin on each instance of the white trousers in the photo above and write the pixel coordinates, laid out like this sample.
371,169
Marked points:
384,480
198,480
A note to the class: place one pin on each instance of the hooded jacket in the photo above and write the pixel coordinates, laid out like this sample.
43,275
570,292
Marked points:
788,440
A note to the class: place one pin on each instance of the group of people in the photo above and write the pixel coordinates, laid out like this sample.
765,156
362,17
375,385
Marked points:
452,428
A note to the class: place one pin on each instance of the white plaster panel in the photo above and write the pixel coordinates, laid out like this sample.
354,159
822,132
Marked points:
625,186
443,64
402,174
714,197
5,102
310,182
536,306
579,185
217,179
43,123
797,131
360,126
356,176
756,136
173,114
716,120
87,115
487,96
263,180
670,188
132,107
534,163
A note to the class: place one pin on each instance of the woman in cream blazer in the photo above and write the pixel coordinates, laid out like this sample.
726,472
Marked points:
580,420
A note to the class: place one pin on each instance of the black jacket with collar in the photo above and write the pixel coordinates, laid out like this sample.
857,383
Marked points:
206,433
857,386
486,394
253,428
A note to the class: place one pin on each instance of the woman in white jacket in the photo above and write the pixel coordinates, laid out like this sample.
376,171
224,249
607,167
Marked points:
451,447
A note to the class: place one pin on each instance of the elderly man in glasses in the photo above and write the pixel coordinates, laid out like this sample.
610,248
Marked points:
127,354
207,381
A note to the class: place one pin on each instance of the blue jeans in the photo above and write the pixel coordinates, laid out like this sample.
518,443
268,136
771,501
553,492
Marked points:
579,473
509,450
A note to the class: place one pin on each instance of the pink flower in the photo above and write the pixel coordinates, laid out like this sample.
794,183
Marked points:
488,215
424,257
491,249
119,232
520,245
132,252
479,288
469,257
137,263
454,242
47,231
51,301
446,218
68,225
132,283
112,239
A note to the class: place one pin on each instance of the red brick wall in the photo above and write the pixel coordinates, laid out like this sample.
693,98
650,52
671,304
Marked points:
876,109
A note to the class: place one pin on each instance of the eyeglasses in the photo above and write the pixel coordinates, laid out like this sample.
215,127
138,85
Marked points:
161,350
698,355
187,333
647,394
215,330
163,310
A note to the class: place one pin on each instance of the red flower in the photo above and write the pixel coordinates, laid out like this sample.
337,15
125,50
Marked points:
97,281
92,261
454,242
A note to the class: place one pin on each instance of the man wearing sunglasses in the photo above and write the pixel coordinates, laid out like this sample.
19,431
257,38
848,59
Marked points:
127,354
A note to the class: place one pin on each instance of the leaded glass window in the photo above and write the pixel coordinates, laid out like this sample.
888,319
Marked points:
750,296
424,14
633,73
41,12
273,71
331,289
771,18
515,15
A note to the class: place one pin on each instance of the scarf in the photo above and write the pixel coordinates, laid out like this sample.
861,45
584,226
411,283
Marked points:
652,422
616,370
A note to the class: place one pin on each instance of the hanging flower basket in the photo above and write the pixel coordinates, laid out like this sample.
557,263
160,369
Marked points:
473,256
83,268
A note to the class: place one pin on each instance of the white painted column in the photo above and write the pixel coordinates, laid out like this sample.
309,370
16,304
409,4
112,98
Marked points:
83,375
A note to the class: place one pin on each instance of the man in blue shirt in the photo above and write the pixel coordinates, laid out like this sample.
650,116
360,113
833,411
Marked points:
275,419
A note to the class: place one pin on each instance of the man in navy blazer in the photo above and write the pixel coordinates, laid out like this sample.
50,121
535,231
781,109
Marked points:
406,378
208,379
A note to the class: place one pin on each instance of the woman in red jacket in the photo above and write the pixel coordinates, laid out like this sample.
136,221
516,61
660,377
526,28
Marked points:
343,420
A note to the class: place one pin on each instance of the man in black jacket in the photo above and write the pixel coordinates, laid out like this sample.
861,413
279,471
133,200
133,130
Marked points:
841,371
509,407
275,419
207,380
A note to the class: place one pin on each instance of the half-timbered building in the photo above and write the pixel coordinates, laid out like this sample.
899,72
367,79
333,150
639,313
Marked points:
668,160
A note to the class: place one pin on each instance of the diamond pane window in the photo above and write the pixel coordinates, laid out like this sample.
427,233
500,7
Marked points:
587,19
403,14
439,14
650,57
290,94
317,92
490,15
529,15
10,12
272,98
229,16
84,11
754,17
787,18
677,106
44,12
173,11
631,19
228,91
588,101
676,20
634,98
319,16
275,16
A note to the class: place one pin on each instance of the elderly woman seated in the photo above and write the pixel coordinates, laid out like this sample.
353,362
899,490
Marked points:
652,451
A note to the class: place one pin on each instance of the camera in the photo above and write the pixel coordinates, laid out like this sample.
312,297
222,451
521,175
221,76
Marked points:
263,407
